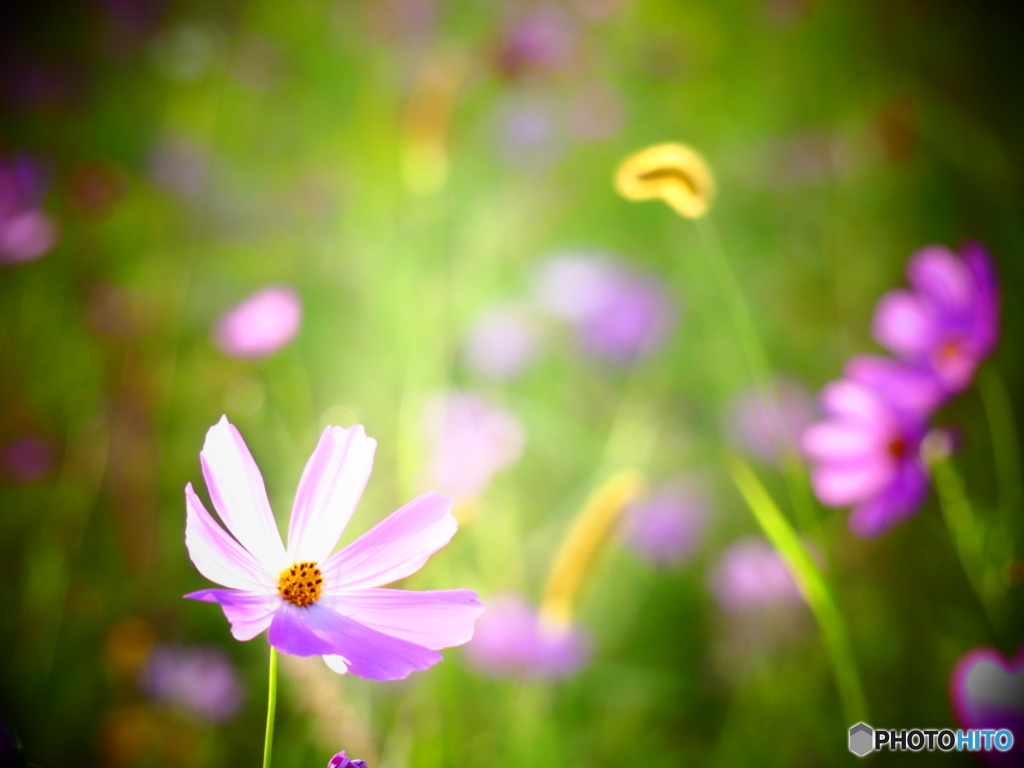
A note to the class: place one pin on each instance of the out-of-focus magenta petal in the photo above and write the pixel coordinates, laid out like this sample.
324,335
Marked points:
903,324
839,441
396,547
239,496
329,490
751,574
941,278
987,301
912,390
666,527
855,401
434,619
27,236
318,630
838,485
898,501
261,324
217,556
987,692
250,613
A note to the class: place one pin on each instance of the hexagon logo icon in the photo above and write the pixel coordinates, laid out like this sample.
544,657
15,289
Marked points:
862,739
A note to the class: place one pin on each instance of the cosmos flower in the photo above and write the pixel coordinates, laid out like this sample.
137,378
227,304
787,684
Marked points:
948,322
27,232
867,451
200,679
751,574
672,172
341,760
666,526
618,315
311,602
471,439
765,431
260,325
987,692
501,342
512,640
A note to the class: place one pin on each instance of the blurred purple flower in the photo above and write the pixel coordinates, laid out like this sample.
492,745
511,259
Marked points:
987,692
867,451
28,459
666,526
618,314
751,574
312,602
512,640
542,41
341,760
261,324
27,232
501,343
198,678
949,321
766,431
471,439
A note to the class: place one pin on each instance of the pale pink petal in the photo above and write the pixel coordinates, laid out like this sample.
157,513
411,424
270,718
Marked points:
839,485
903,324
249,612
217,556
236,488
839,441
318,630
395,548
329,491
854,401
434,619
941,278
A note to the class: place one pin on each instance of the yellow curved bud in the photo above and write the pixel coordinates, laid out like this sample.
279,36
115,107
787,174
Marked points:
584,542
673,172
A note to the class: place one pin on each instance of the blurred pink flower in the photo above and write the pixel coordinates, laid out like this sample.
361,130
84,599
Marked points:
764,431
948,322
511,640
341,760
751,574
501,342
310,602
666,526
261,324
28,459
987,692
543,41
27,232
618,315
198,678
471,439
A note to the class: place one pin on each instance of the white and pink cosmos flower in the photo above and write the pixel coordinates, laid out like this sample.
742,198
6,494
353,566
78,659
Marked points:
310,602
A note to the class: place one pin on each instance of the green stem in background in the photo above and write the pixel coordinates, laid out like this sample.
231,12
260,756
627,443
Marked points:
812,584
1003,433
969,538
268,742
757,362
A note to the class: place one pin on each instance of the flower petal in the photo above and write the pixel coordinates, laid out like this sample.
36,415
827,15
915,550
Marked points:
854,401
249,612
840,440
236,488
329,490
217,556
396,547
839,485
317,629
900,500
941,278
434,619
913,391
903,324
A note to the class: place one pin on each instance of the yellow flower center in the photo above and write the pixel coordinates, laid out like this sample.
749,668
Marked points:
301,584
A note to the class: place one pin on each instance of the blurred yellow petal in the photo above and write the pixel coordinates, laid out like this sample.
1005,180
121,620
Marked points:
673,172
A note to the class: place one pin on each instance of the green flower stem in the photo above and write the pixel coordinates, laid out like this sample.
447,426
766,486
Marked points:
969,539
757,362
812,584
1003,433
268,742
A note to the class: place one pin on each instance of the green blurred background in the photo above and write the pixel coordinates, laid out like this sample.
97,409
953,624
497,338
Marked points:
403,166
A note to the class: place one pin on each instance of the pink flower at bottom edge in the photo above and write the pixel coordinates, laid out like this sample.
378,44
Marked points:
312,602
987,692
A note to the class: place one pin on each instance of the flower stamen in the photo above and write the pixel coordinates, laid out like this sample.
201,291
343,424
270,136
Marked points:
301,584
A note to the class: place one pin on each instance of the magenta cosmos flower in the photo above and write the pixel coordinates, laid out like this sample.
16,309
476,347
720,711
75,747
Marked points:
665,527
27,232
949,321
867,451
751,575
312,602
988,693
261,324
341,760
